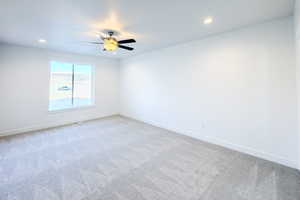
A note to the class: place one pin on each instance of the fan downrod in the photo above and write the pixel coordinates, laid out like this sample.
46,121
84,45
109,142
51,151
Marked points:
110,33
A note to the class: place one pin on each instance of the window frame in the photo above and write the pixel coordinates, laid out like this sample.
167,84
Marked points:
93,88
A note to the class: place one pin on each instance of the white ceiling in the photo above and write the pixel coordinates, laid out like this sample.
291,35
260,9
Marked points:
65,24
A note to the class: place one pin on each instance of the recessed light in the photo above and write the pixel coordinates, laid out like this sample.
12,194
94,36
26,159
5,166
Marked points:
208,20
42,41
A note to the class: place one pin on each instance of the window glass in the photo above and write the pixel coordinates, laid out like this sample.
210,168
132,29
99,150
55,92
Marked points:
70,86
60,86
82,85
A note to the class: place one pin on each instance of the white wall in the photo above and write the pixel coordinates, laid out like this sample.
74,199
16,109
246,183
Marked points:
24,89
297,38
237,89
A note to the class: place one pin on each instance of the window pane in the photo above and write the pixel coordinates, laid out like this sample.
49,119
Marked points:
60,86
82,85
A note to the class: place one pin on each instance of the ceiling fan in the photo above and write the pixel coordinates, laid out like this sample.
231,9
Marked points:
110,43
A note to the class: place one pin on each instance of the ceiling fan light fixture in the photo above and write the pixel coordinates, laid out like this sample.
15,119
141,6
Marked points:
110,44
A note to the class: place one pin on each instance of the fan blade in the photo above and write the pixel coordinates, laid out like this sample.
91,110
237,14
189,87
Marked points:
126,41
125,47
95,42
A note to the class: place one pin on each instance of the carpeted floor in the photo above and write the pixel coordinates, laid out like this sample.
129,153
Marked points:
120,159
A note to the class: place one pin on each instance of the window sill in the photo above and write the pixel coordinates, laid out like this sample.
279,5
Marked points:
71,109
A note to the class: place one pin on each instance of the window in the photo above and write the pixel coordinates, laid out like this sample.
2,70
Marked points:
71,86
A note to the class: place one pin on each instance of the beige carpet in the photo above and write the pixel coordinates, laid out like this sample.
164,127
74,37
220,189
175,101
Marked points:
121,159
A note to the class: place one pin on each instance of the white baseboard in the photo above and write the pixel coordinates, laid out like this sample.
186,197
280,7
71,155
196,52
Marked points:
250,151
38,127
239,148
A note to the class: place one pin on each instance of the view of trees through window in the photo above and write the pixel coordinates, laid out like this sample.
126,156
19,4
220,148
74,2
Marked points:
71,86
